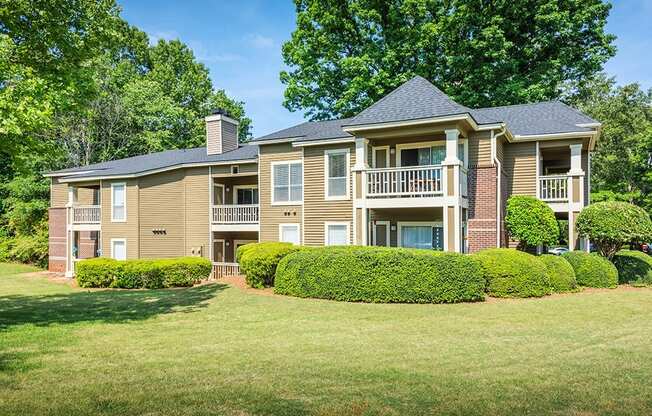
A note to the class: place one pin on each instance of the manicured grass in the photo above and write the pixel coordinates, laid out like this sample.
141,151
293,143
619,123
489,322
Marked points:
219,350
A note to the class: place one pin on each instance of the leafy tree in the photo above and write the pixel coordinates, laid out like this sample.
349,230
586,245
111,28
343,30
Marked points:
346,54
610,225
531,222
621,166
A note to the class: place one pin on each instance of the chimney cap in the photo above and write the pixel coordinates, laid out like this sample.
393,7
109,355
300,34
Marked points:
221,111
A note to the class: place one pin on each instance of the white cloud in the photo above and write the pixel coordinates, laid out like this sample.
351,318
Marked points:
155,36
259,41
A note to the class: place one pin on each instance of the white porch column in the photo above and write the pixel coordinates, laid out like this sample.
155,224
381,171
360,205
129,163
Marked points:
361,153
576,160
452,137
451,178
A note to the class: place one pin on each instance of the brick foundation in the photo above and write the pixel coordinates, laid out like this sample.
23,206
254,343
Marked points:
482,231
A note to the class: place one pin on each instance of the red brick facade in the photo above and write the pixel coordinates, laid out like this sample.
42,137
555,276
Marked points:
57,240
482,208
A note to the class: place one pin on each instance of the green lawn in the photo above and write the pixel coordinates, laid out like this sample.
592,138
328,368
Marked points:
219,350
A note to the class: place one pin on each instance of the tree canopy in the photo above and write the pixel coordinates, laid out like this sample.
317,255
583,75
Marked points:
346,54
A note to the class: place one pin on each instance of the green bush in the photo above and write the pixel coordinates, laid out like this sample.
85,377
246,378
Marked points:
611,224
513,273
531,221
380,274
243,249
142,273
560,273
258,261
592,270
633,267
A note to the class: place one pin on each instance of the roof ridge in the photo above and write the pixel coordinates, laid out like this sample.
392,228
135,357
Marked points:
517,105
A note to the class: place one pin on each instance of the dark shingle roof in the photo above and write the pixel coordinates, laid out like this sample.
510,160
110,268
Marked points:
159,160
413,100
310,130
537,118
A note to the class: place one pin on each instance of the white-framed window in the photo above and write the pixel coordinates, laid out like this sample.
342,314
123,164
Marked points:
287,183
337,233
417,234
336,171
119,248
245,194
427,153
119,202
289,233
380,156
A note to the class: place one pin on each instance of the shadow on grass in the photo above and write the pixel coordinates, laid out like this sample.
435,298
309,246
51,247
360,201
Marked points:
109,306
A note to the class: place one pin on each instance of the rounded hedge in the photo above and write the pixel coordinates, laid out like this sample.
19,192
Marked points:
513,273
633,267
380,274
610,224
531,221
592,270
258,261
142,273
560,273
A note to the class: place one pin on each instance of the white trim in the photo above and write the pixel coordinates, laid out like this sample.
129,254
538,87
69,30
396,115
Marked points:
223,241
153,171
124,185
211,184
347,177
289,224
551,136
114,240
235,192
227,228
537,164
55,174
387,225
348,231
218,117
375,126
589,125
322,142
277,141
221,185
286,162
400,224
373,155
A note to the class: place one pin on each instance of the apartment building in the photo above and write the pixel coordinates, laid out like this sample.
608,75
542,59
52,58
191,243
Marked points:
415,169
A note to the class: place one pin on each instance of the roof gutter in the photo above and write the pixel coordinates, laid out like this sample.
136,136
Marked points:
321,142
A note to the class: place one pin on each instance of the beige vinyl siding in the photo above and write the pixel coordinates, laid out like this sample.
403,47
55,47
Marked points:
273,215
162,208
213,137
479,149
500,149
318,210
229,137
196,191
58,194
520,165
129,229
86,194
242,169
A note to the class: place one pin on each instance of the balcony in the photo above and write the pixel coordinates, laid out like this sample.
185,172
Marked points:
224,269
553,188
413,181
86,214
235,217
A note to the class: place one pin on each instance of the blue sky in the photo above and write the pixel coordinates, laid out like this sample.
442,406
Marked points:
240,42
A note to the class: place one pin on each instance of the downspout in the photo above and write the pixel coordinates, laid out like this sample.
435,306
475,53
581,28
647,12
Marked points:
499,168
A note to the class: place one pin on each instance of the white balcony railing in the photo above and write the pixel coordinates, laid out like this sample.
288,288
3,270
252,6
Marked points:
404,181
86,214
235,214
553,188
222,269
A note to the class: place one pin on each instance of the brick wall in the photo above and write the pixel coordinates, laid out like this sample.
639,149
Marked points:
482,208
88,244
57,240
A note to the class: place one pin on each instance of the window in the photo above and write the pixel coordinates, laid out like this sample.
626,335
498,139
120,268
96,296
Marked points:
425,236
460,152
433,155
118,202
287,180
247,195
289,233
337,234
235,169
337,173
119,249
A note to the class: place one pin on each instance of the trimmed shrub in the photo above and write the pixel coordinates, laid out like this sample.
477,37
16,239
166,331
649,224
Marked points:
611,224
633,267
258,262
592,270
560,273
380,274
513,274
243,249
142,273
531,222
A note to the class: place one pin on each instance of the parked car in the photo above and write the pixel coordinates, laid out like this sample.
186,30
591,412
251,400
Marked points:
558,251
646,248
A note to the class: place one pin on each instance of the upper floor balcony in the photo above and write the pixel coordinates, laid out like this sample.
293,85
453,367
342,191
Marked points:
86,216
554,188
235,217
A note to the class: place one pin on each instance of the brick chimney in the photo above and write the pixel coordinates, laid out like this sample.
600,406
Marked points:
221,132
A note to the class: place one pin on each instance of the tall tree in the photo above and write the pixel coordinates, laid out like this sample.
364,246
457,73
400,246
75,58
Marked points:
346,54
621,167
